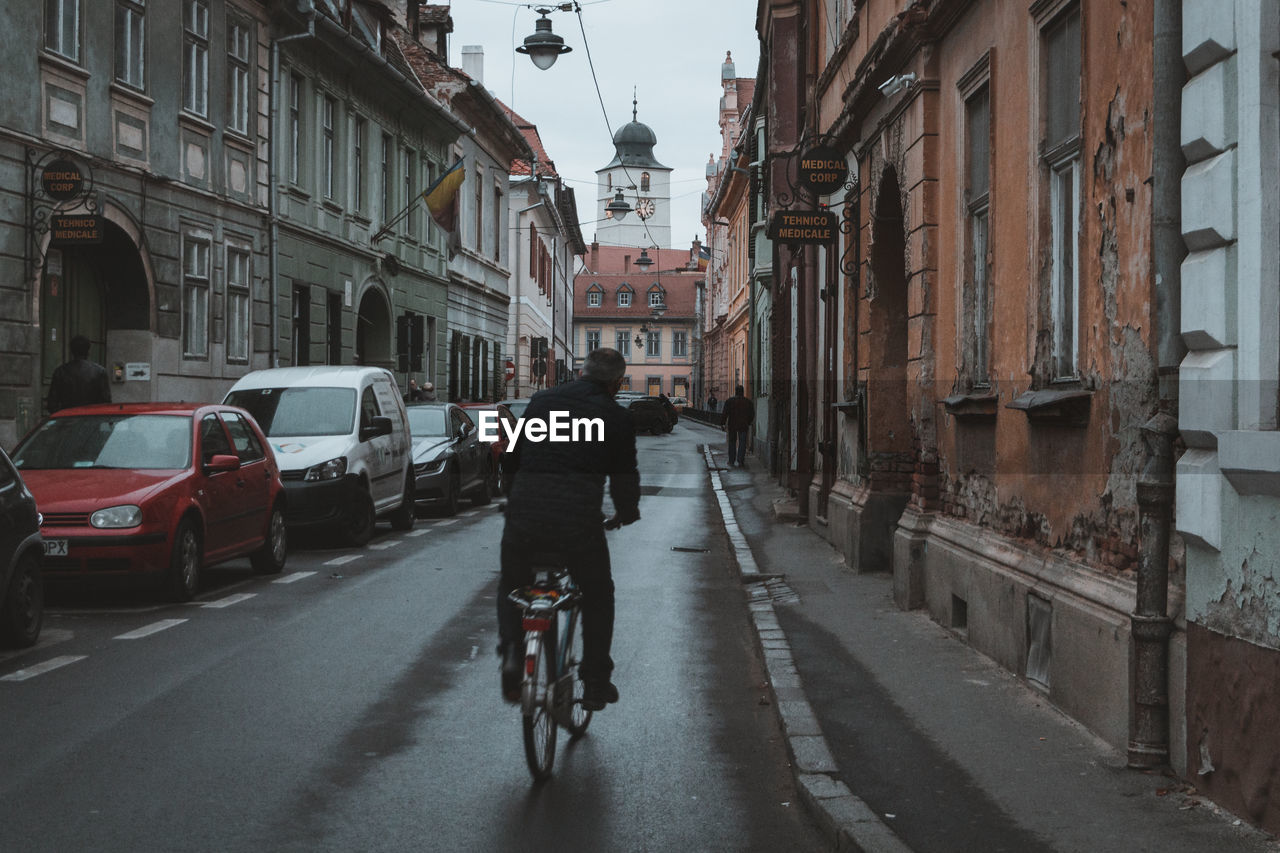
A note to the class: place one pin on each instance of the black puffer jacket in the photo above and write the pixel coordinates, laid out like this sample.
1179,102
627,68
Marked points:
558,490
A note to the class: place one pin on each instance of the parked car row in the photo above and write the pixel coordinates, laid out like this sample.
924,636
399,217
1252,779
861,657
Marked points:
163,491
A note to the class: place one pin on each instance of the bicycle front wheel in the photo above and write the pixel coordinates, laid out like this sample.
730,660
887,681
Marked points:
539,725
579,717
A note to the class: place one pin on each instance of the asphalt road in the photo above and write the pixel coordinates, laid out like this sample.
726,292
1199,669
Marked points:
352,704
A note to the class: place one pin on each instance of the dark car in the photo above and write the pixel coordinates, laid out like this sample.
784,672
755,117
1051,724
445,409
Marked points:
449,459
672,414
501,481
650,415
158,490
21,552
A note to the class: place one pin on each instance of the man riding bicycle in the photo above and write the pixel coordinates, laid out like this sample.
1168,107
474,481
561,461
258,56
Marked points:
555,506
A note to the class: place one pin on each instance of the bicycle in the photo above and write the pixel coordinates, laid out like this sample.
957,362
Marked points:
551,693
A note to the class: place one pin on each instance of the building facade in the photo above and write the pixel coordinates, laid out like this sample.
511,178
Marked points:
1228,480
973,354
645,311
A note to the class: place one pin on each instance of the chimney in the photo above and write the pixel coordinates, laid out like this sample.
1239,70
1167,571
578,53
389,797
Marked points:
595,256
434,24
473,62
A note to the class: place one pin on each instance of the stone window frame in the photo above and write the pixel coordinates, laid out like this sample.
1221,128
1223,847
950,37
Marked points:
328,147
296,134
55,31
976,304
240,72
680,343
197,278
1060,170
359,132
130,47
622,341
653,343
239,300
195,57
593,339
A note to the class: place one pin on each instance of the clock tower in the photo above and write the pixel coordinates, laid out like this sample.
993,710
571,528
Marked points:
645,185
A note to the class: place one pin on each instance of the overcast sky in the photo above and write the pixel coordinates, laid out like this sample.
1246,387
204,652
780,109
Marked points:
669,50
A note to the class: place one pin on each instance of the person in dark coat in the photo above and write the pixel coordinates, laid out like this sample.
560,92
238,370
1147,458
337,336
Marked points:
557,491
80,381
737,418
712,402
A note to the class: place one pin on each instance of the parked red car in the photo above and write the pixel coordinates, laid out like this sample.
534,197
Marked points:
499,447
162,489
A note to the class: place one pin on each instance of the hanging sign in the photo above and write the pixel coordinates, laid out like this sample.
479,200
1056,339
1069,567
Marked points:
823,169
803,226
74,229
62,180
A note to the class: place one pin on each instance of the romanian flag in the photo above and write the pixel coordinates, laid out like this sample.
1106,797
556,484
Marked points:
442,197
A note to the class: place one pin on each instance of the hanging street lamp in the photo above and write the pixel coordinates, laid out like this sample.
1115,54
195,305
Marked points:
543,47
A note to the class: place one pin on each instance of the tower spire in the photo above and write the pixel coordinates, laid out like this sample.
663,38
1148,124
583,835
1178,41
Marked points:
633,104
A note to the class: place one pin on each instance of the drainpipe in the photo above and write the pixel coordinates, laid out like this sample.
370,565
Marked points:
273,165
1150,623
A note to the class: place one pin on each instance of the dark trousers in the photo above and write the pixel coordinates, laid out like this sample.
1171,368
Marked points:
737,446
587,558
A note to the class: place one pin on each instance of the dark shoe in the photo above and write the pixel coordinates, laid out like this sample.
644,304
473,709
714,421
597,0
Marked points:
597,694
512,673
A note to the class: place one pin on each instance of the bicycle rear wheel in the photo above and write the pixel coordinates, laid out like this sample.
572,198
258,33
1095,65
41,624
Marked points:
539,726
580,717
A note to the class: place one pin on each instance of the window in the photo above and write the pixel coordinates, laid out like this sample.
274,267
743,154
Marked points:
195,57
497,223
680,344
622,342
357,165
656,298
533,250
195,296
62,27
239,79
593,340
479,211
237,304
408,191
644,182
301,316
384,188
295,128
593,299
624,298
131,43
977,266
245,443
1062,159
653,344
328,109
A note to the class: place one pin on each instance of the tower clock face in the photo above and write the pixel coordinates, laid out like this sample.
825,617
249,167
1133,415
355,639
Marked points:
644,208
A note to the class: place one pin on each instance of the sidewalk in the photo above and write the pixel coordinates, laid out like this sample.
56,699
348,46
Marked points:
905,739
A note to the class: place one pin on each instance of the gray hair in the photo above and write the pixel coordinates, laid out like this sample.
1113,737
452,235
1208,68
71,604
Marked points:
604,365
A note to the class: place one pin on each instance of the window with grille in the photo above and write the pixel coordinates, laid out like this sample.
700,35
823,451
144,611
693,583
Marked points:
195,57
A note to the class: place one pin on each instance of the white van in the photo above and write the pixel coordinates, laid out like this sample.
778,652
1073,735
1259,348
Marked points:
341,438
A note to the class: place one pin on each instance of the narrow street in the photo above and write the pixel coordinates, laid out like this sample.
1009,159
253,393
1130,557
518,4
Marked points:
352,704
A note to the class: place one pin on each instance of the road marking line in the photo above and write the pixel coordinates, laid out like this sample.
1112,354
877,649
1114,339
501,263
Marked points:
42,668
446,523
421,531
382,546
295,576
148,630
343,560
230,600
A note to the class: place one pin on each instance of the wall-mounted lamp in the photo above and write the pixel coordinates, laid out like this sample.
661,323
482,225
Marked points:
896,84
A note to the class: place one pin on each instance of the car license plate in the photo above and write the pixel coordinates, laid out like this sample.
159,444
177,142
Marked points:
55,547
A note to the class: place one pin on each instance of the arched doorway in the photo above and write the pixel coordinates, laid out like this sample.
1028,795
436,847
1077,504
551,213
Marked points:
888,420
100,291
373,329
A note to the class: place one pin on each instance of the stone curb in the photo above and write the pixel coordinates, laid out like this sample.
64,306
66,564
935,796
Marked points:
845,819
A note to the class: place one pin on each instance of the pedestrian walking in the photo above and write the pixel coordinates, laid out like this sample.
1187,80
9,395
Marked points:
712,402
428,392
737,418
80,381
